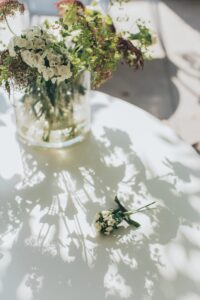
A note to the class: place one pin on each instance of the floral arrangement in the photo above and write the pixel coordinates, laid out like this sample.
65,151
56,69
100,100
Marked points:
81,39
46,62
107,221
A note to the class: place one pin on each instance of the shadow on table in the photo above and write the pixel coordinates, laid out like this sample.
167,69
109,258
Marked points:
46,220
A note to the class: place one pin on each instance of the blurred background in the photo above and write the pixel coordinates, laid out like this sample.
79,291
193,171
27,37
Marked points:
169,85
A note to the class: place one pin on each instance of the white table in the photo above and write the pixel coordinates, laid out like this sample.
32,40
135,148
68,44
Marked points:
48,248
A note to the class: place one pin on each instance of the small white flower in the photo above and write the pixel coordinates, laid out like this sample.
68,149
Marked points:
48,73
109,229
28,57
11,48
53,30
29,45
105,213
54,59
40,64
38,43
69,39
69,42
75,33
63,72
111,221
21,42
98,226
38,60
32,32
53,80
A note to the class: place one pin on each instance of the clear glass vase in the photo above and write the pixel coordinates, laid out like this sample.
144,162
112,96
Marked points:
56,117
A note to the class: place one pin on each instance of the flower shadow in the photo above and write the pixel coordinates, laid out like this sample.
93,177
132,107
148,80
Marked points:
53,249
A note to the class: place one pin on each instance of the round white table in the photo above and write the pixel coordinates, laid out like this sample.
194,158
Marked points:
48,198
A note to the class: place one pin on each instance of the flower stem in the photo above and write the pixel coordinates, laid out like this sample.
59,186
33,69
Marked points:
7,23
130,212
143,207
122,208
127,215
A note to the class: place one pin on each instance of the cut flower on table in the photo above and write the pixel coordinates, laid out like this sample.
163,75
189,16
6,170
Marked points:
107,221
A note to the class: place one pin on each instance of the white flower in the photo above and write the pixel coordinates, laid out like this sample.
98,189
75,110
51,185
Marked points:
38,35
69,39
32,32
98,226
29,45
38,60
54,30
53,58
111,221
75,33
28,57
105,213
11,48
20,42
53,80
63,72
48,73
38,43
69,42
40,66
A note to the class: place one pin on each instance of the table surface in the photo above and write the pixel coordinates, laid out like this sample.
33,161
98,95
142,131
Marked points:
48,198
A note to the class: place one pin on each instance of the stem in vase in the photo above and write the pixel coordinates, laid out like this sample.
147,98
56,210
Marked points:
7,23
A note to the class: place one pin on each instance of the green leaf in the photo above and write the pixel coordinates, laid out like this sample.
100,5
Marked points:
7,86
132,222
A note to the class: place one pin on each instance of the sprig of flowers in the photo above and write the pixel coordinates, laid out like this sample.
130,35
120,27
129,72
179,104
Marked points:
99,47
42,51
82,39
107,221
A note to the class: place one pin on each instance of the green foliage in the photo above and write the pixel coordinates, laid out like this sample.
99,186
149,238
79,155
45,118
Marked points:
99,48
47,62
88,40
144,36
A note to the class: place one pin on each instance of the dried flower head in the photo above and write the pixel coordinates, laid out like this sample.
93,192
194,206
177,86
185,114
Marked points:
63,5
15,70
9,8
132,55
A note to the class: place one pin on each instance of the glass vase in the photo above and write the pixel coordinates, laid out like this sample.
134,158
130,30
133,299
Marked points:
54,116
